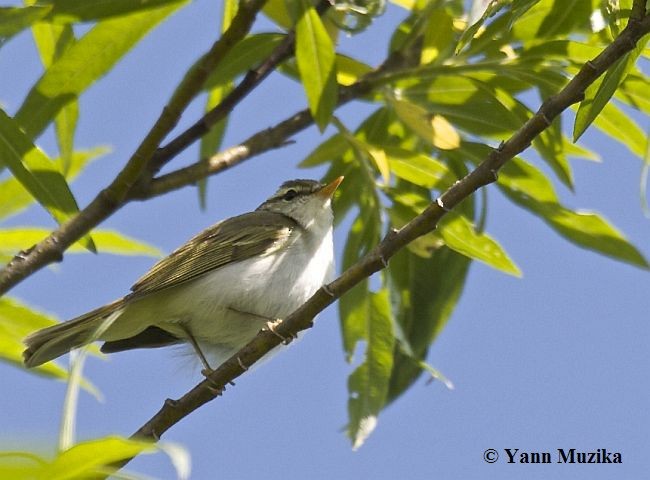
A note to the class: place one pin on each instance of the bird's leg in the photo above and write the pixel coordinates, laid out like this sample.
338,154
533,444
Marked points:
207,370
270,325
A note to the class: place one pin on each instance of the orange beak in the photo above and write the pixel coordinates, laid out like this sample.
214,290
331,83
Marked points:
328,190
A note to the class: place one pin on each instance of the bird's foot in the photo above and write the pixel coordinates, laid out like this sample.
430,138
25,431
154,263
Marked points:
216,389
241,364
270,326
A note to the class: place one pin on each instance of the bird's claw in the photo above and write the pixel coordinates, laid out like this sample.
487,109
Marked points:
216,389
270,326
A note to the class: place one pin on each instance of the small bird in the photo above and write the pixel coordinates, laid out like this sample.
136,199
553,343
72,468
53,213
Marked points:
220,288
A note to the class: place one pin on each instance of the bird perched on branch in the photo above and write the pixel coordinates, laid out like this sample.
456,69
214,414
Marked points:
220,288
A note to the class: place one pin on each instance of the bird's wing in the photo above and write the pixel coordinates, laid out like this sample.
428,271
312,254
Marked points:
231,240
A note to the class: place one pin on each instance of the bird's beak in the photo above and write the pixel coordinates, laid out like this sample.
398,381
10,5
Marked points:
328,190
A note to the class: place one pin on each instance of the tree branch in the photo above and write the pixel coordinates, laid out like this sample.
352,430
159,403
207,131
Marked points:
639,10
263,141
301,319
115,194
251,80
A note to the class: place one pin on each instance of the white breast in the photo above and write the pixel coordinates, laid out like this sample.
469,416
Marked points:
275,285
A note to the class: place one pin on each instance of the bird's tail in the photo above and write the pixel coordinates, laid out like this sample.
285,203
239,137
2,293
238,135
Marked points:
52,342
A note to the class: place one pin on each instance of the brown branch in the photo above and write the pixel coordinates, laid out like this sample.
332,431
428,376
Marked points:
638,10
271,138
301,319
115,195
252,79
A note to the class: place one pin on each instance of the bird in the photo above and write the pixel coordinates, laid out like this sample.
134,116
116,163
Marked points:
220,288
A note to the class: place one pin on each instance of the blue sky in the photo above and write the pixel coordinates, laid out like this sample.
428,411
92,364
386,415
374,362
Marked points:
557,359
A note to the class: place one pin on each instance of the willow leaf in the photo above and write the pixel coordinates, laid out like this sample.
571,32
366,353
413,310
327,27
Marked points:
37,173
91,57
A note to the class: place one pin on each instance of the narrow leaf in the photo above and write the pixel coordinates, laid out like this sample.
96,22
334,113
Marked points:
528,187
277,11
459,234
417,168
491,9
349,70
353,306
75,11
425,292
89,457
330,149
316,61
52,40
15,239
599,93
37,173
211,141
14,198
368,384
242,57
15,19
85,62
433,129
18,320
437,36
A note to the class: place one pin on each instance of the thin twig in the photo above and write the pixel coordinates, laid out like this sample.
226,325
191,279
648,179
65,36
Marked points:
252,78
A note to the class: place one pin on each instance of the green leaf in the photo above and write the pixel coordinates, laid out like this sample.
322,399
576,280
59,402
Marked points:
467,103
600,92
549,143
417,168
92,456
14,239
459,234
277,11
14,198
529,188
15,19
552,18
561,49
433,129
316,61
88,459
18,320
621,127
92,56
438,36
243,56
75,11
37,173
52,40
349,70
333,147
425,292
353,306
211,141
633,91
577,151
490,10
368,384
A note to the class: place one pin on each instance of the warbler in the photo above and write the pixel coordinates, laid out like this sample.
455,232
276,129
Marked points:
220,288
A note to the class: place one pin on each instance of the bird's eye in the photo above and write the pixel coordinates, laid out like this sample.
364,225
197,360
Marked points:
289,195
